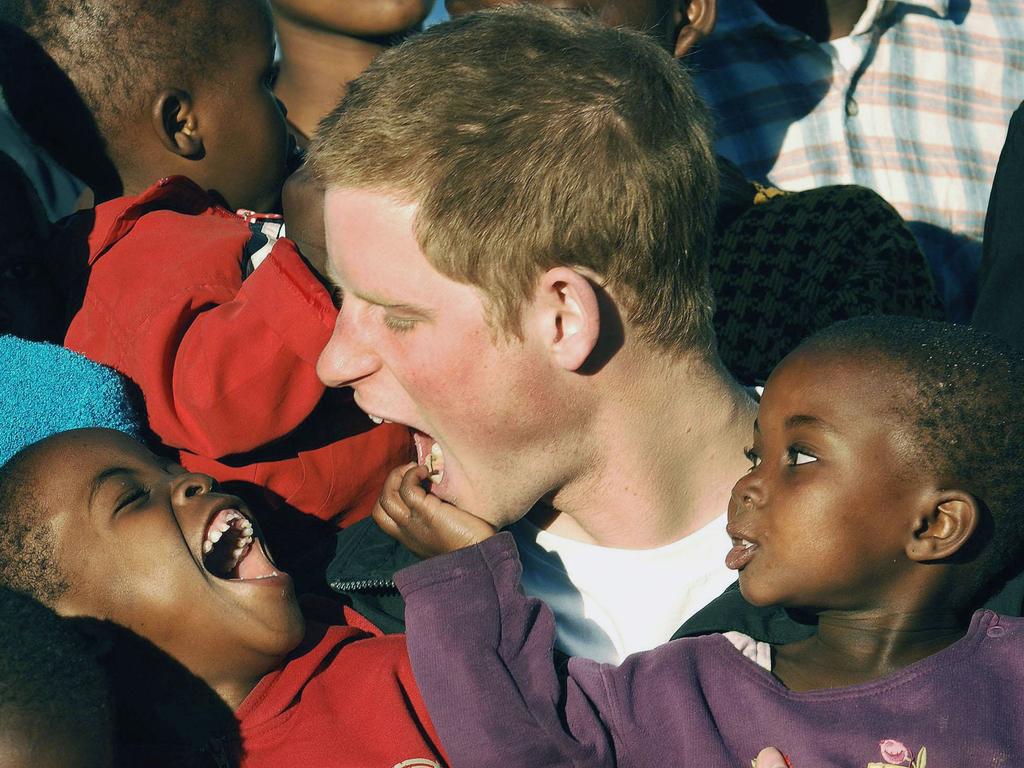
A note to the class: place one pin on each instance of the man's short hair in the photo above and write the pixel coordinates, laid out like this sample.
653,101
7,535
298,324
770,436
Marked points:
962,404
117,52
532,139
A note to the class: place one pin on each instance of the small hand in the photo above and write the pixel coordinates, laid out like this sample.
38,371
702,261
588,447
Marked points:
303,204
420,520
770,757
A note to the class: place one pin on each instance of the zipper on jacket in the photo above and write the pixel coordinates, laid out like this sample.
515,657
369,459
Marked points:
364,585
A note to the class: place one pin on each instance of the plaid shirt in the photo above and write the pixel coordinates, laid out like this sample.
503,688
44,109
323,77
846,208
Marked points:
914,103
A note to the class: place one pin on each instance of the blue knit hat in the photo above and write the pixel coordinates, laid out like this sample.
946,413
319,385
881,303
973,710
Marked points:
46,389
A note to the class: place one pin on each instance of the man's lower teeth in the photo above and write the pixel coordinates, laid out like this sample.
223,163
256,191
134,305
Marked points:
434,462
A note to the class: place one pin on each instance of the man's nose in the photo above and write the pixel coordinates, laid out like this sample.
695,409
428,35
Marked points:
345,360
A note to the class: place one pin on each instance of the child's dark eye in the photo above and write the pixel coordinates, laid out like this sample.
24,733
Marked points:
799,456
752,457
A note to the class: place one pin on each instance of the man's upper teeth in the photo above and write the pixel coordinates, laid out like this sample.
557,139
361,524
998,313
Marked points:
376,419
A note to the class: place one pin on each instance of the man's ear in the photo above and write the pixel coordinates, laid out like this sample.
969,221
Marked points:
695,19
945,527
569,316
176,123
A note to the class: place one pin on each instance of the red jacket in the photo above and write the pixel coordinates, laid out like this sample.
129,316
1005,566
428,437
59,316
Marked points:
227,367
346,700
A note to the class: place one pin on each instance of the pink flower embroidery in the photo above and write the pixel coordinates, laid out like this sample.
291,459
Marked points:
894,751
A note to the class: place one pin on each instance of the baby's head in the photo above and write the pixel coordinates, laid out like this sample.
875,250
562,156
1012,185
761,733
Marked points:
54,696
888,470
175,87
93,524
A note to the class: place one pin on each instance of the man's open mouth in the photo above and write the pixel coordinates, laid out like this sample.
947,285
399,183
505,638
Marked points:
428,451
232,551
430,455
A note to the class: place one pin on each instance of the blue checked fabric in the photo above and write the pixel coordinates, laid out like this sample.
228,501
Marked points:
914,103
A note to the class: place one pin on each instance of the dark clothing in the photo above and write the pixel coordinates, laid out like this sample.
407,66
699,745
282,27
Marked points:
1000,307
363,570
481,653
366,560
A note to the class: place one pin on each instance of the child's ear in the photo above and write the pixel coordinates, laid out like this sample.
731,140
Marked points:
176,123
569,315
695,20
945,528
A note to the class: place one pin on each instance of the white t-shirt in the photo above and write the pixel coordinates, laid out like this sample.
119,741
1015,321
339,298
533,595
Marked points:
608,602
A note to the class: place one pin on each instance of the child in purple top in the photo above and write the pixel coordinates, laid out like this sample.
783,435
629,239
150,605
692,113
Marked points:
884,497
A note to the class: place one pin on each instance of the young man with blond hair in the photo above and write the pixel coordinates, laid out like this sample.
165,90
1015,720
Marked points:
518,211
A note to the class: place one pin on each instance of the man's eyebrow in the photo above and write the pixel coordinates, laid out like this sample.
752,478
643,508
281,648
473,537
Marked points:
377,301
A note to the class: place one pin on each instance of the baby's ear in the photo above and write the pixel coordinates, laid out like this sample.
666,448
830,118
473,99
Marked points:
176,123
945,527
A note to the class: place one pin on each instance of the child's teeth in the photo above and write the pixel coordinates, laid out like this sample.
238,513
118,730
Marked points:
376,419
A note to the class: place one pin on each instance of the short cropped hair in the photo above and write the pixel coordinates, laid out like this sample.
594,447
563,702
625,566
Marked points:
117,52
964,409
50,677
532,139
28,560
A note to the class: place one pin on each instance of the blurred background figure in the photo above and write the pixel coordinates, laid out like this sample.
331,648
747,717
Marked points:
909,99
325,44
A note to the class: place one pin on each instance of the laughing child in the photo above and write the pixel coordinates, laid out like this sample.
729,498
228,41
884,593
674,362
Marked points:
214,315
884,501
92,524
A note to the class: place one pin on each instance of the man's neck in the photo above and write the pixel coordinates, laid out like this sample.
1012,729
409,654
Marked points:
822,20
671,448
316,67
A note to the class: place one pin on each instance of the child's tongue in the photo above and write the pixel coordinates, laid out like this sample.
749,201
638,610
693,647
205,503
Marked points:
740,555
255,565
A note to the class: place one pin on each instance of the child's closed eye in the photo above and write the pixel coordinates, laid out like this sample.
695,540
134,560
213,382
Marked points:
131,495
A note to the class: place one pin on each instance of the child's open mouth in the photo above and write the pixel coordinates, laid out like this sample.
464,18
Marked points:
232,551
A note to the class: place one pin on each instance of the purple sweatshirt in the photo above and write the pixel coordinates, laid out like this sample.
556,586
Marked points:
482,655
